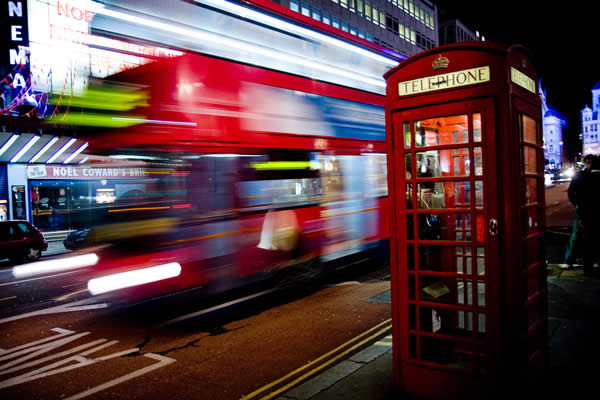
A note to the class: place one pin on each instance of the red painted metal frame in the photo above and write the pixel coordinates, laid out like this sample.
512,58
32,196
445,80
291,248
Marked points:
501,103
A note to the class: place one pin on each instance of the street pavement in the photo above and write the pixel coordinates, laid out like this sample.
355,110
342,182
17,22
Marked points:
573,335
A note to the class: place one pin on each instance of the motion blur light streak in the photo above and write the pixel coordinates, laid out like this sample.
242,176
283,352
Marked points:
58,265
234,44
124,280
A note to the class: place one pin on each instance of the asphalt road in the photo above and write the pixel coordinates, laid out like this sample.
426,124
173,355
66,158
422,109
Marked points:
57,341
177,347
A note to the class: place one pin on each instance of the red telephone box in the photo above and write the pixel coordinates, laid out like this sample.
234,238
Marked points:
466,178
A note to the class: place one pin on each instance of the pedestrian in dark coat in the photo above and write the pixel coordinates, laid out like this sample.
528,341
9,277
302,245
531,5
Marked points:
590,213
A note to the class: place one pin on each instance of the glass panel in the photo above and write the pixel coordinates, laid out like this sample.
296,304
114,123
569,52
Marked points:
478,157
480,261
409,196
407,138
532,220
410,256
530,165
444,195
479,194
441,131
443,258
477,127
444,227
535,281
531,190
410,235
446,353
446,290
444,321
532,251
407,166
529,127
443,163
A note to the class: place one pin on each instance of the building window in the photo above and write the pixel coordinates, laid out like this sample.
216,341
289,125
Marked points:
368,10
305,9
375,16
345,27
316,14
353,30
344,3
352,5
326,18
361,34
335,22
294,5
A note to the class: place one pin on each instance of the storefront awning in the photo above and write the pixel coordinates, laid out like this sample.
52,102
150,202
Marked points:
31,148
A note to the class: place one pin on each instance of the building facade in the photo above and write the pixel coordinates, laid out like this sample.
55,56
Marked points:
405,26
454,31
589,124
554,127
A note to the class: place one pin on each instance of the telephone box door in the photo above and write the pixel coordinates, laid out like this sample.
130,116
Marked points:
448,272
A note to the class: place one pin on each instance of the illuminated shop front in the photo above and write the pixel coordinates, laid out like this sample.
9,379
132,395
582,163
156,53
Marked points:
76,197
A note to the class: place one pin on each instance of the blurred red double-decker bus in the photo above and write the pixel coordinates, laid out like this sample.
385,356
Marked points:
248,174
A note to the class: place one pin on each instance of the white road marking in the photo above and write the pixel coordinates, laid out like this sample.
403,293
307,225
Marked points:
73,361
211,309
162,361
80,305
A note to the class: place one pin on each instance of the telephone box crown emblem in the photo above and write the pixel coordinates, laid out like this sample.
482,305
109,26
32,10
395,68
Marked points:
440,63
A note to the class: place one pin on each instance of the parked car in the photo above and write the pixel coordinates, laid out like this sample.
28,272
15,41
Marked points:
19,240
76,239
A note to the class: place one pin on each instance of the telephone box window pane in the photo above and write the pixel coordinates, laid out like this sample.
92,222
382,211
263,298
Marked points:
438,195
442,163
406,131
446,290
409,196
447,353
442,131
530,165
445,321
477,127
455,227
479,194
454,259
410,235
478,156
410,256
531,190
480,261
532,221
529,127
407,166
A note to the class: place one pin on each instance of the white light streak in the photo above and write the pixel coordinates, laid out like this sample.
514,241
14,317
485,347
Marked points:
61,150
8,143
76,153
57,265
25,148
43,149
137,277
236,44
155,121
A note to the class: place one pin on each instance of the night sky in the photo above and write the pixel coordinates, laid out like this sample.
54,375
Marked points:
561,37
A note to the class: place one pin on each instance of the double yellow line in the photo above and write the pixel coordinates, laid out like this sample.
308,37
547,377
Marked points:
337,353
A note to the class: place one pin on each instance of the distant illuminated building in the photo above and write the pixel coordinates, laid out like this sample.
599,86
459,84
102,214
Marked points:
554,124
589,124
